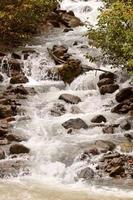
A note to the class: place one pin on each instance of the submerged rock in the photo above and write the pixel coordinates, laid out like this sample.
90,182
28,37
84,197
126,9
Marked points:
58,109
75,124
70,98
86,173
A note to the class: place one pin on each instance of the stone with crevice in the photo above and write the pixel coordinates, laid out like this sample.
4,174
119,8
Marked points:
68,98
75,124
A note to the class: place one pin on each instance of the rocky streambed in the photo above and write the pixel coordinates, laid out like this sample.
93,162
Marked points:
62,118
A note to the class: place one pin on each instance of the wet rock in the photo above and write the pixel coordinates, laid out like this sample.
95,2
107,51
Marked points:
18,149
109,75
2,154
29,51
2,54
15,67
70,98
1,78
70,20
105,81
67,30
123,107
111,88
5,111
3,132
90,151
14,138
58,109
125,125
108,130
124,94
86,173
54,19
116,171
19,79
59,50
69,71
75,124
104,146
98,119
16,55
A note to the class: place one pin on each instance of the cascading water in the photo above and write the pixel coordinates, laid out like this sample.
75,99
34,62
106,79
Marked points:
55,154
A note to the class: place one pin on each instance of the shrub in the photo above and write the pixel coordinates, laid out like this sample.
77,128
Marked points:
114,33
20,18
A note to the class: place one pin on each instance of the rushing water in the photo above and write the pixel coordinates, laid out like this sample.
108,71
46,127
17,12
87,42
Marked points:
54,154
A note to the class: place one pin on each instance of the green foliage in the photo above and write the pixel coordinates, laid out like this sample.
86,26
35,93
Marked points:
114,33
20,18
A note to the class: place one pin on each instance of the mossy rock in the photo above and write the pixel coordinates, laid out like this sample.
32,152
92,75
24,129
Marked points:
69,71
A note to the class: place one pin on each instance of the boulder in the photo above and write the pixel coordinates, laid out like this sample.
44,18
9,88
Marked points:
98,119
69,71
105,81
110,88
2,154
109,75
86,173
5,111
19,79
75,124
124,94
70,20
123,107
14,138
68,98
18,149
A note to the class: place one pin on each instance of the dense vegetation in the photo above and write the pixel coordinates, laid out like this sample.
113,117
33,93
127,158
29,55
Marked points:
114,33
20,18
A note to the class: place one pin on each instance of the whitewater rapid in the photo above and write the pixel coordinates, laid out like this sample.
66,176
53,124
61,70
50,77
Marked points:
55,154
